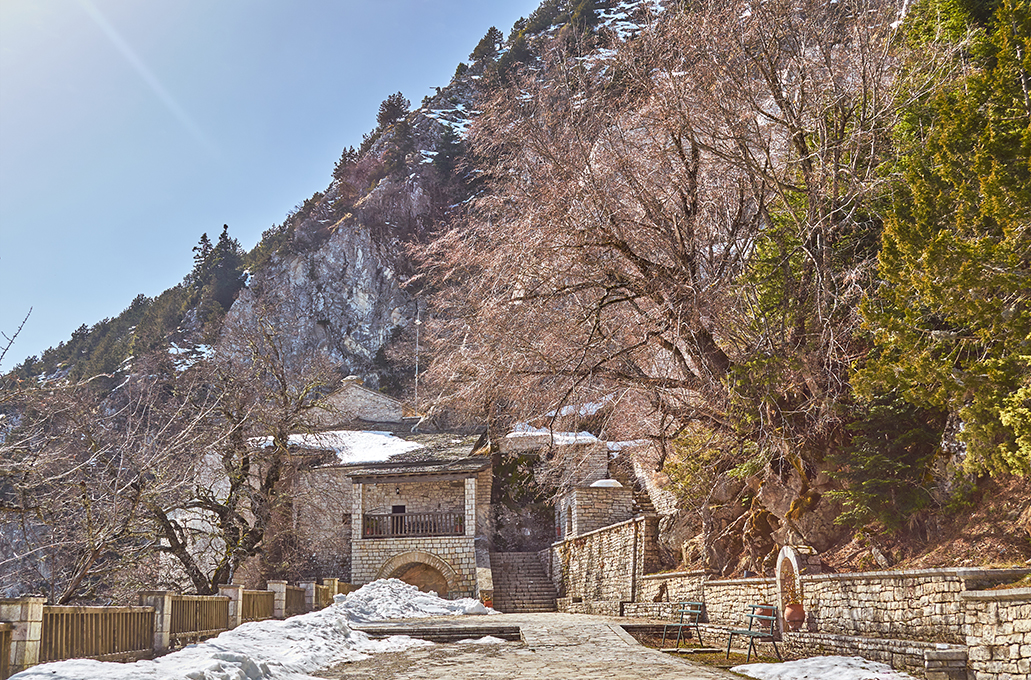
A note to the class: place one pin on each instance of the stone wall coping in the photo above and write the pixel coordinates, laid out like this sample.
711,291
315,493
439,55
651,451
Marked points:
672,574
610,527
958,654
920,644
959,573
743,582
997,595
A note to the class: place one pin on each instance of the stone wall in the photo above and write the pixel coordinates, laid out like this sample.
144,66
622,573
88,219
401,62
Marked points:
581,511
606,564
905,605
929,621
422,496
484,514
352,402
997,631
674,586
908,655
453,556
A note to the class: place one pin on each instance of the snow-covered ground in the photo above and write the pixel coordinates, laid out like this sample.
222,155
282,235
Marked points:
279,650
822,668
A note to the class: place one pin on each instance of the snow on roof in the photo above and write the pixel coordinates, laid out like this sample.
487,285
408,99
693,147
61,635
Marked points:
837,667
523,430
350,446
616,447
280,650
582,410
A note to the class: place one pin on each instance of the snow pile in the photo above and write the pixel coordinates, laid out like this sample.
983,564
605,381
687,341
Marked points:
393,599
278,650
350,446
817,667
485,640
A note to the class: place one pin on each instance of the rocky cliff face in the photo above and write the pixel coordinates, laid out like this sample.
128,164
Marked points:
343,298
339,289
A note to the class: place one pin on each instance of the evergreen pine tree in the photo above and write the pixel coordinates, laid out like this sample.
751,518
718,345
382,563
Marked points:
487,49
952,322
391,110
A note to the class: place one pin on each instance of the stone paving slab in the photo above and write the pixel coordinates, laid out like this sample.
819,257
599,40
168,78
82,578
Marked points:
555,646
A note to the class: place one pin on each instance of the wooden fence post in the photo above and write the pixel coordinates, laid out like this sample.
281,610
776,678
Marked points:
235,595
279,599
310,603
26,614
161,601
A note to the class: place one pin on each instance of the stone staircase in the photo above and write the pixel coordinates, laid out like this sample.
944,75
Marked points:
520,584
642,502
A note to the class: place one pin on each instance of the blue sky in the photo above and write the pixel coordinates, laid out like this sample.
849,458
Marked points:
130,127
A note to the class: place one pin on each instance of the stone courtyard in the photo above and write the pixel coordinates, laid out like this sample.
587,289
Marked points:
553,646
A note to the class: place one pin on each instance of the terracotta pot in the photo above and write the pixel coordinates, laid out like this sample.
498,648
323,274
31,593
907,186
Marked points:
794,616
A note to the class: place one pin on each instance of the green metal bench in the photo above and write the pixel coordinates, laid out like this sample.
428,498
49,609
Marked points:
689,613
762,627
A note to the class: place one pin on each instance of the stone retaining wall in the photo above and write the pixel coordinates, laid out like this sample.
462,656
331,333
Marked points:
938,621
904,605
997,627
908,655
606,564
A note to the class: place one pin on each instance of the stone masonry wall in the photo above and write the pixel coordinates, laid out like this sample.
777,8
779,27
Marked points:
369,555
905,605
997,631
354,402
581,511
484,516
447,496
678,586
928,621
608,563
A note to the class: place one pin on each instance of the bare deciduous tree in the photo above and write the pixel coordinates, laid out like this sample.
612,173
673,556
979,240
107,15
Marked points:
77,471
686,225
262,394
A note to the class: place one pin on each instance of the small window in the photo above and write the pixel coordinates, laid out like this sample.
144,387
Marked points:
397,509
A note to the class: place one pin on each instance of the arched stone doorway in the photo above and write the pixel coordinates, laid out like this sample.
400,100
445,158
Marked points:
423,570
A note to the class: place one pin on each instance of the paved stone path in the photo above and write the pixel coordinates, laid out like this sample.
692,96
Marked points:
557,646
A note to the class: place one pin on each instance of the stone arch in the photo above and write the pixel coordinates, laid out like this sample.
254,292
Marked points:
791,563
432,572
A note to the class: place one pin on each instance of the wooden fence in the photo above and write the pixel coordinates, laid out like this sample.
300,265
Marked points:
198,617
5,650
257,605
106,633
129,633
345,588
295,601
324,596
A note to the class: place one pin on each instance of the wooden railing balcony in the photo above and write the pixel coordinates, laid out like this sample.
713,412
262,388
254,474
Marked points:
407,524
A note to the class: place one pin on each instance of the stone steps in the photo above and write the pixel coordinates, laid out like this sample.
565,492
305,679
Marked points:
520,584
